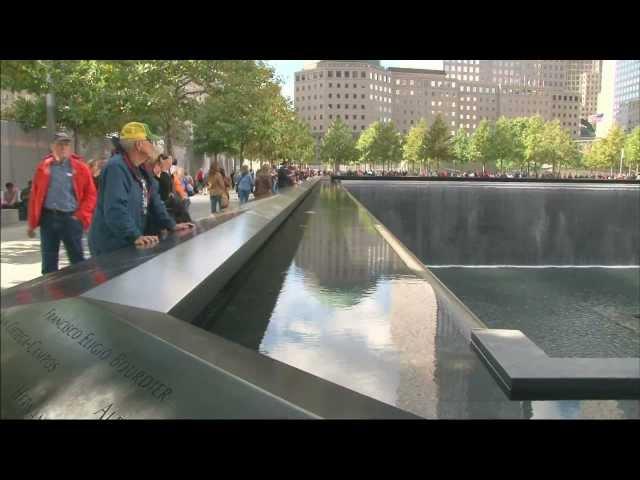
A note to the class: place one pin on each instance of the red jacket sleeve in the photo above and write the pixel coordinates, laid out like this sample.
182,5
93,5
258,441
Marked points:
86,196
36,198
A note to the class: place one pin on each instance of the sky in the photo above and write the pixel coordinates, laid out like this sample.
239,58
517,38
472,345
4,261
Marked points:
285,69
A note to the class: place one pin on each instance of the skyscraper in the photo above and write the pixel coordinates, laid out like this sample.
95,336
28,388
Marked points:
626,99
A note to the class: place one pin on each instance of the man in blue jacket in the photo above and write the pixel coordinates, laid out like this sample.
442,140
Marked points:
128,197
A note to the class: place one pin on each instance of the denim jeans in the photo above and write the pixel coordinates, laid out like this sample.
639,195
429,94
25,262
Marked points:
216,203
244,196
53,229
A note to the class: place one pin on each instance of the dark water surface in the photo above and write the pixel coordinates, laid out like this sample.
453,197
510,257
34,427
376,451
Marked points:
328,295
568,312
534,250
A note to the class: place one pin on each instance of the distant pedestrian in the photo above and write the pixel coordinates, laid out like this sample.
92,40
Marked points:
263,183
11,196
62,201
227,186
245,185
216,186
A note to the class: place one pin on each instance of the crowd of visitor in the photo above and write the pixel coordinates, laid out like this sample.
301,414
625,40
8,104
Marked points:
133,198
139,194
487,174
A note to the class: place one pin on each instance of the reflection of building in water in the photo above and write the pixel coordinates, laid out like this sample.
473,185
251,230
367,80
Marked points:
341,251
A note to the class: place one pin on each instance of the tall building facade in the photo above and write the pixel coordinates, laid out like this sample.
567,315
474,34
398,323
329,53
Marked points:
605,99
626,100
467,91
578,77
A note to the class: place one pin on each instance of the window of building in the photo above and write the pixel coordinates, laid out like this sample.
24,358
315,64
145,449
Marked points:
338,85
330,74
330,105
363,75
338,74
330,116
346,74
362,106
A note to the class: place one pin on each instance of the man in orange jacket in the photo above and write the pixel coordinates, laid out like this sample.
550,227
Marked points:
63,197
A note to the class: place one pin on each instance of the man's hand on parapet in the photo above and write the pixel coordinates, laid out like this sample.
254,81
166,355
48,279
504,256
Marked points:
31,233
183,226
146,240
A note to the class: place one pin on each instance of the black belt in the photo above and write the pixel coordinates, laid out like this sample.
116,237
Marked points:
57,212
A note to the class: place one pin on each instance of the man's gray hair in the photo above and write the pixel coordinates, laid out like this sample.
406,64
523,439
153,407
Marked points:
127,144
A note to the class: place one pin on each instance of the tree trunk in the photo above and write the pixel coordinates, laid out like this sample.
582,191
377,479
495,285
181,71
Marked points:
168,144
75,141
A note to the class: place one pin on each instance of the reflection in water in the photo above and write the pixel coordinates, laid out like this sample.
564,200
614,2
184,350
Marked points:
326,294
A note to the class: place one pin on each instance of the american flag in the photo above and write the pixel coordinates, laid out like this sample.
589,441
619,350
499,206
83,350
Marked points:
596,118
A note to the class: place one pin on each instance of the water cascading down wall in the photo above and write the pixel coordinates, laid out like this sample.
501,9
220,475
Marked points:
557,261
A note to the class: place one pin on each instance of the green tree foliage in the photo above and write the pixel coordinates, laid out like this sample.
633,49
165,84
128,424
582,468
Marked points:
482,144
561,150
507,144
632,149
414,148
606,153
338,146
380,144
462,148
534,144
85,94
438,142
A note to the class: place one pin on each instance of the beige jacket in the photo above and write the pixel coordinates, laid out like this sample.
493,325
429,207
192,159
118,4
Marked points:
216,185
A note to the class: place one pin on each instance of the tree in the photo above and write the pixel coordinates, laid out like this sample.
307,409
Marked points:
606,153
613,147
438,141
560,148
505,143
240,112
365,144
338,145
413,150
482,144
632,149
534,143
85,94
594,158
519,127
461,148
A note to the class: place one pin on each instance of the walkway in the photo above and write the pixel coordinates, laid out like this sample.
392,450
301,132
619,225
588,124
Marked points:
20,256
